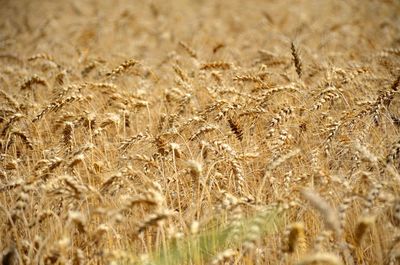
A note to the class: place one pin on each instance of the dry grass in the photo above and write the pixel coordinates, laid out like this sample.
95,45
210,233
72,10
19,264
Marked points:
199,132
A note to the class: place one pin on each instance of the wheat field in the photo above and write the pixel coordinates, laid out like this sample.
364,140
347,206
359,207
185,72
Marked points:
200,132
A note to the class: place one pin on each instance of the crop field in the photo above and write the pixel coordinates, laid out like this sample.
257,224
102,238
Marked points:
199,132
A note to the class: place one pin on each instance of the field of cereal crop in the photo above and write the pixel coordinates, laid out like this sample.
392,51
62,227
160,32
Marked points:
200,132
